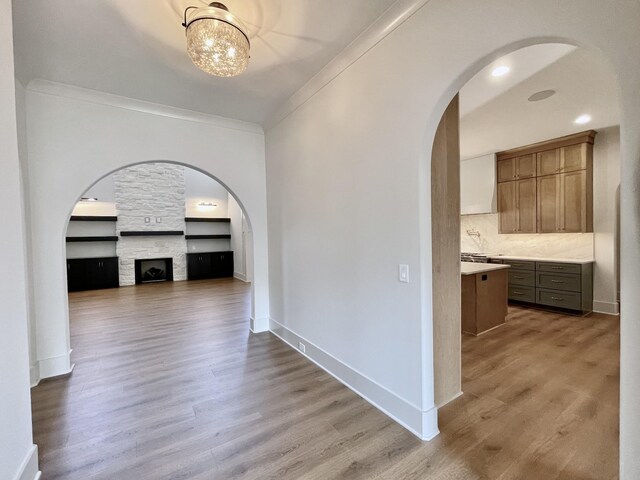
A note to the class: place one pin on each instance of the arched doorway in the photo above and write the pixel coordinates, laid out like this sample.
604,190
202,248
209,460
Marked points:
446,239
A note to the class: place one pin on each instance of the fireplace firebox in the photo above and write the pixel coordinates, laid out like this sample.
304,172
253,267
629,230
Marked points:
151,270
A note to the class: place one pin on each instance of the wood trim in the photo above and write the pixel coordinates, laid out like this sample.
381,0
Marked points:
445,248
207,237
92,218
582,137
91,239
204,219
149,233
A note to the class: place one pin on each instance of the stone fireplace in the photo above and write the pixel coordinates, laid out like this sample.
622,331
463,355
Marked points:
153,270
151,198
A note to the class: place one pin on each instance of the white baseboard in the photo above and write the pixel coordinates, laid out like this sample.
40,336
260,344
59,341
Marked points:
606,307
240,276
29,468
55,366
423,424
259,325
34,374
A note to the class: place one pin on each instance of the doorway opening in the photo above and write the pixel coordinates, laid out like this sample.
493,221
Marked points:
155,222
551,309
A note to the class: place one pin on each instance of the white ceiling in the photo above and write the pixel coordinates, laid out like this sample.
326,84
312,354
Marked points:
495,112
137,49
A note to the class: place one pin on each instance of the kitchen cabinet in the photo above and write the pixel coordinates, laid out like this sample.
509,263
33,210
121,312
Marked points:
557,194
484,296
516,168
568,286
209,265
92,273
517,206
563,159
565,203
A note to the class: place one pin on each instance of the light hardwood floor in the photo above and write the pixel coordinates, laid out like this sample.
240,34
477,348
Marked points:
169,384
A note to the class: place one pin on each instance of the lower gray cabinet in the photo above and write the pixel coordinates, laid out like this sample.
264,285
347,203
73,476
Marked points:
553,284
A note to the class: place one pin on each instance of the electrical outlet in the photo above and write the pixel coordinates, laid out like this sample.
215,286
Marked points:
147,219
403,273
302,347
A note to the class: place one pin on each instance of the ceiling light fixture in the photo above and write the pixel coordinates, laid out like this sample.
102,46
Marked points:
500,71
582,119
217,41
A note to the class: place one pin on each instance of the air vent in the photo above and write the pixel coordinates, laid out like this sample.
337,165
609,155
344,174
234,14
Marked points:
542,95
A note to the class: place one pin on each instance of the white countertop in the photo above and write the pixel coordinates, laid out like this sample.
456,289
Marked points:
580,261
470,268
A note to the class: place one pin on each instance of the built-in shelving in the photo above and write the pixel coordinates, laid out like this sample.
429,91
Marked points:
208,237
203,219
92,239
150,233
93,218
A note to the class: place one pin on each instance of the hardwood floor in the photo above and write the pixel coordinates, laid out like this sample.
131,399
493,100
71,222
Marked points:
169,384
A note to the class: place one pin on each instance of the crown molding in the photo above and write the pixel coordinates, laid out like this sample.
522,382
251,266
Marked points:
48,87
391,19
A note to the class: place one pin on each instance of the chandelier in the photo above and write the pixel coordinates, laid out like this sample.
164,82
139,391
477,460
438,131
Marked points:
217,41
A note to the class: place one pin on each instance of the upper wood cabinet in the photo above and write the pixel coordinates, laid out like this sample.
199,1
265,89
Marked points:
517,206
516,168
547,187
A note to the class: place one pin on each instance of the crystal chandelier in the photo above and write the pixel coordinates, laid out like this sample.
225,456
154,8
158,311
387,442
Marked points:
217,41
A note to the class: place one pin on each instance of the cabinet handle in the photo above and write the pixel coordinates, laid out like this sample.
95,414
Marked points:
559,299
518,278
557,268
517,293
556,281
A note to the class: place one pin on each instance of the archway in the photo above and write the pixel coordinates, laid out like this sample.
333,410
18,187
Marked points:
113,135
446,233
198,197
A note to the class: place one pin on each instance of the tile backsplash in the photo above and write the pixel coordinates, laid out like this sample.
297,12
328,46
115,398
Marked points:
479,234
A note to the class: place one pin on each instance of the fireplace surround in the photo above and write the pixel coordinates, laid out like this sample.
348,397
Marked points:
152,270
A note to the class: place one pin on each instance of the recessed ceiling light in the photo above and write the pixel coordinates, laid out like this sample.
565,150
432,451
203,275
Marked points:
582,119
500,71
541,95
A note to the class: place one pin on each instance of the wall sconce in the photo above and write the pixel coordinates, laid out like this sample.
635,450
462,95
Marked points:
207,205
88,199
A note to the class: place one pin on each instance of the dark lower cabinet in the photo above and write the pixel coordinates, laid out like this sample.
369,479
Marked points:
92,273
209,265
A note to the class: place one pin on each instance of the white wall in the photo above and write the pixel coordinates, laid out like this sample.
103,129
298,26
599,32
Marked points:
201,188
606,179
18,455
114,132
369,129
237,240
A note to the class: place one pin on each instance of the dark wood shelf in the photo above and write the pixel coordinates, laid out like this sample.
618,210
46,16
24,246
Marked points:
91,218
91,239
150,233
203,219
207,237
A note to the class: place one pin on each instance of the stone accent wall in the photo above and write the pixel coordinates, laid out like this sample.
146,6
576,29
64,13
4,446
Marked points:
152,190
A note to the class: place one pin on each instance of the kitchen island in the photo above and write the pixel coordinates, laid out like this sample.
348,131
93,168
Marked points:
484,296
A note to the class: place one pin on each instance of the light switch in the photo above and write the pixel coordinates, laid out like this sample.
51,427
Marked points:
403,273
158,219
147,219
